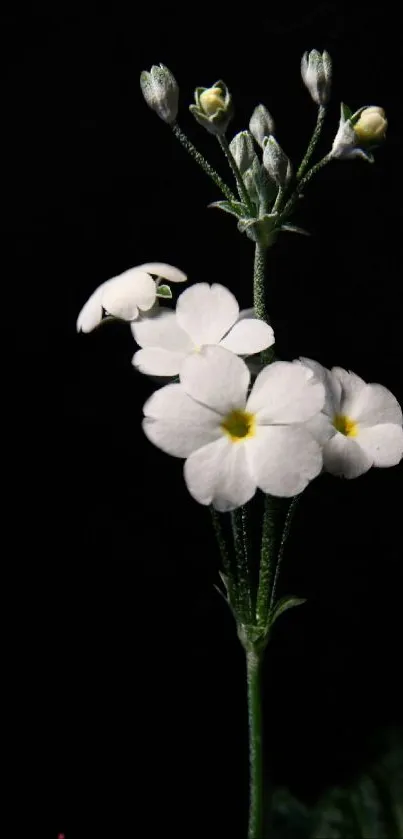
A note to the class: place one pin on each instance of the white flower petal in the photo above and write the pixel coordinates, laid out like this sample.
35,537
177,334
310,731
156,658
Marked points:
343,456
161,330
375,404
206,312
161,269
156,361
131,291
216,378
283,459
331,384
219,474
91,313
321,427
382,443
285,392
351,385
177,424
248,336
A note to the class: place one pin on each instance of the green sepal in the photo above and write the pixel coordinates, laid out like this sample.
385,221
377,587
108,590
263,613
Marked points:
164,291
262,230
346,112
292,228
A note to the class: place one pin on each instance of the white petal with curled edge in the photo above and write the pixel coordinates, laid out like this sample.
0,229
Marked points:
248,336
206,312
161,269
91,313
375,404
156,361
283,459
131,291
217,378
219,474
161,330
352,386
285,392
321,427
344,457
382,443
177,424
330,382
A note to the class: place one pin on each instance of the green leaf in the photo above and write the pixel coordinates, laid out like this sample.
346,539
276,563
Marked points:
164,291
234,208
283,604
291,228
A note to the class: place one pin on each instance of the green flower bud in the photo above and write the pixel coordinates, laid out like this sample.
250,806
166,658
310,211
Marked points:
261,124
276,162
213,108
242,149
316,72
161,92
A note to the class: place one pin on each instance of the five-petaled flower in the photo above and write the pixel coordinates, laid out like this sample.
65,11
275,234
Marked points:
204,315
233,442
126,295
360,424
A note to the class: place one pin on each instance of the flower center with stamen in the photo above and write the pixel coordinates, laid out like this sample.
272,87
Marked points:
345,425
239,425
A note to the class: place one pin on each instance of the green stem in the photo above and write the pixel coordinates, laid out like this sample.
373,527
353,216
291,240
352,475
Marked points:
313,141
286,531
243,574
243,193
266,564
279,198
221,540
259,297
256,802
290,203
190,148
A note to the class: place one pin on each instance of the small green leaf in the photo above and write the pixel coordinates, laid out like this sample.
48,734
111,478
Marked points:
283,604
164,291
234,208
291,228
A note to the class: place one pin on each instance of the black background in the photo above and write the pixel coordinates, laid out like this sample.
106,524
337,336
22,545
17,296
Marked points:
126,678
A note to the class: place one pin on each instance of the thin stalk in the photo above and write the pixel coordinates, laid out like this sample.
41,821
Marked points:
243,572
256,785
313,141
190,148
294,197
286,531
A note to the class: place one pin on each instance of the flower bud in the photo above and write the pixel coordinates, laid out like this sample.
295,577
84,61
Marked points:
276,162
213,108
161,92
359,132
371,125
261,124
242,149
316,72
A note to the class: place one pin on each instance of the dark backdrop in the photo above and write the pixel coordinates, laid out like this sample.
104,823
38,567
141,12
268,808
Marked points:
126,677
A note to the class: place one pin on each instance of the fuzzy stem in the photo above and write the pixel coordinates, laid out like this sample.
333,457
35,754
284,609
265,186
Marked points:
243,193
313,141
190,148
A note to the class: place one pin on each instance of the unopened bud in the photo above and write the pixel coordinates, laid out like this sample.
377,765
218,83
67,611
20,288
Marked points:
261,124
161,92
276,161
316,72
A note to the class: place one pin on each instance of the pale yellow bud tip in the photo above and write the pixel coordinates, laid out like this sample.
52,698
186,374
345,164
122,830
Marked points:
211,100
371,125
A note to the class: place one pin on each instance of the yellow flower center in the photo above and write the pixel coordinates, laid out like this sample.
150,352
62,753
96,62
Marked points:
239,425
211,100
345,425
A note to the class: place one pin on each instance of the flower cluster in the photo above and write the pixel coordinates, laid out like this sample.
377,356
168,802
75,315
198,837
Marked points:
275,433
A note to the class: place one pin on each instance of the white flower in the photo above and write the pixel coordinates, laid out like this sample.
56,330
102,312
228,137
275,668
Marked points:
204,315
123,296
234,443
161,92
360,424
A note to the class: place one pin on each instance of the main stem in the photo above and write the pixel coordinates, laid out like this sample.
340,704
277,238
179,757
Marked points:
256,803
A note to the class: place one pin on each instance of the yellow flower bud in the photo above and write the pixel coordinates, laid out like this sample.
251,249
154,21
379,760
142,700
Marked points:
371,125
211,100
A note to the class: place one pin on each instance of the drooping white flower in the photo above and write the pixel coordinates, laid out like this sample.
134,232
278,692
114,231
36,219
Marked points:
360,424
123,296
234,443
204,315
359,133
